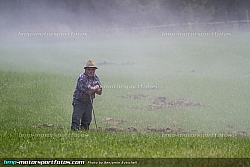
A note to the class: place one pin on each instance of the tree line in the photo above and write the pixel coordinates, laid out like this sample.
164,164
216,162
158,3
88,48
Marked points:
121,13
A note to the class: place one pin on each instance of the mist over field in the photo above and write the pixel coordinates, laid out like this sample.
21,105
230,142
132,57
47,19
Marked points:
112,31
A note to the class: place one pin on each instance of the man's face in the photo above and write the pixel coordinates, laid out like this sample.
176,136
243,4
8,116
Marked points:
90,71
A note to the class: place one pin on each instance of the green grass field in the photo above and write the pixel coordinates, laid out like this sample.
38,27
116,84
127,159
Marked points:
37,81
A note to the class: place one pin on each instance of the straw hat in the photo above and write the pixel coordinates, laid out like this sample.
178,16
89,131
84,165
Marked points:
90,64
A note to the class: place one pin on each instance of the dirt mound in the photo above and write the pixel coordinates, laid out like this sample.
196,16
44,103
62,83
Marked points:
135,97
160,102
112,63
112,126
175,128
163,102
48,126
112,122
104,63
163,130
115,129
154,130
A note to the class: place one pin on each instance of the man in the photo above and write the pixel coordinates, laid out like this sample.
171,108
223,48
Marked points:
87,85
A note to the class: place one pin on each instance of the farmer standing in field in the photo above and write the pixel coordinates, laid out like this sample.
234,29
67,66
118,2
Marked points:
87,85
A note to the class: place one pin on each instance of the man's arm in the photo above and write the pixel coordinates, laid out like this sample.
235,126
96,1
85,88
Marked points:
95,89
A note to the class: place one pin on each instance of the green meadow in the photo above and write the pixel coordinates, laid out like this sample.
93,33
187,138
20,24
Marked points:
163,97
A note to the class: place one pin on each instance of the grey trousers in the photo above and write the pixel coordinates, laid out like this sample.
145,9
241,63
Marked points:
82,114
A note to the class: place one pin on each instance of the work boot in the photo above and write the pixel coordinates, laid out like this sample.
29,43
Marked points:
85,126
74,128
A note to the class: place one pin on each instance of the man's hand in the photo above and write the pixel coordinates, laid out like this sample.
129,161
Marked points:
98,90
95,89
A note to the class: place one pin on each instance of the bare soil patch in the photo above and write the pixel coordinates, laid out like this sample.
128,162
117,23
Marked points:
161,102
135,97
167,130
112,122
49,126
113,63
175,128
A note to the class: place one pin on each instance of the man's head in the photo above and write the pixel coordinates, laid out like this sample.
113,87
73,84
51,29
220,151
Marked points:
90,68
90,71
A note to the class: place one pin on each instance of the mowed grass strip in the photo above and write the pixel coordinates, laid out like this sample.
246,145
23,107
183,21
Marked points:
54,143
